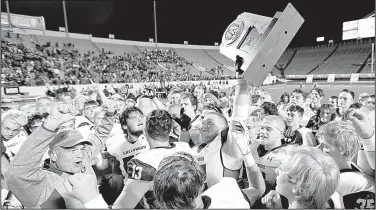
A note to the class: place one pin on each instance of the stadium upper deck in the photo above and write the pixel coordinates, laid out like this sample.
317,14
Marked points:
340,58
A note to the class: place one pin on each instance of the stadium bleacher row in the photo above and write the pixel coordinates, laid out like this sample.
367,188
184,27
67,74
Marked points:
344,58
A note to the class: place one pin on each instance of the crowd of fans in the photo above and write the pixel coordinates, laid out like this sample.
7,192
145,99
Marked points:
198,148
57,63
165,56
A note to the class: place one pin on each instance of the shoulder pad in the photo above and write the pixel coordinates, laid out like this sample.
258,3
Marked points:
139,170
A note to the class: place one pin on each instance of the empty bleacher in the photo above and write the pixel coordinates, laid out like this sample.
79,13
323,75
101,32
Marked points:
283,61
215,54
198,56
307,59
346,60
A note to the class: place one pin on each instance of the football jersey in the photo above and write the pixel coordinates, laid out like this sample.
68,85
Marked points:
124,151
292,137
357,189
225,194
220,154
144,166
268,162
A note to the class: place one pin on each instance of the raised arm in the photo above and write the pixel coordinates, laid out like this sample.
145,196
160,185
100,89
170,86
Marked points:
256,181
365,130
25,178
103,126
241,102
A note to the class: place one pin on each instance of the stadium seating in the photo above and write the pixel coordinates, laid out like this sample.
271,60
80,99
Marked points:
342,58
307,59
215,54
199,57
346,60
117,49
82,45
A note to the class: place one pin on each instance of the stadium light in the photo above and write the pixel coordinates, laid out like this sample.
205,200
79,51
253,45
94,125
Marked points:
65,18
61,29
215,43
320,39
151,40
8,12
186,42
155,24
111,36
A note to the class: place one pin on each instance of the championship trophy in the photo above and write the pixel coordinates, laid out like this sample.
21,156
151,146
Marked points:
256,42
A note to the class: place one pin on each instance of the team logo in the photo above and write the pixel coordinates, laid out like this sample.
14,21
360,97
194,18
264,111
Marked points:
233,32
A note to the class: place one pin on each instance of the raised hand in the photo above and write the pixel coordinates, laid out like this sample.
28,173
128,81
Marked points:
241,138
184,121
60,113
109,106
360,121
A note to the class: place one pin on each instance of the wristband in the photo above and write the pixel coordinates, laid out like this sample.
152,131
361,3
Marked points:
249,160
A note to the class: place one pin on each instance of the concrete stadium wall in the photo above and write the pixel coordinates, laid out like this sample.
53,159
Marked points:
111,41
35,91
325,76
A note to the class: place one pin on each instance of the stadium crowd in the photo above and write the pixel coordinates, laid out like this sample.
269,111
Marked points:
198,148
54,63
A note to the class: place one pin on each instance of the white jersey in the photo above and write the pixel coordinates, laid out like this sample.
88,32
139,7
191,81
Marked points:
143,167
357,189
116,129
220,154
225,194
124,151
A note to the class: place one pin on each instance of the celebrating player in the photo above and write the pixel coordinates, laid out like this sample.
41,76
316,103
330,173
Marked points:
142,168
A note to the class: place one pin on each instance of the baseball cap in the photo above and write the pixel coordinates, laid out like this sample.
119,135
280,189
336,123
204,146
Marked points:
68,138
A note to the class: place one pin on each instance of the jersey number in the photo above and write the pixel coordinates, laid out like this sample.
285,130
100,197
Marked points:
136,172
366,203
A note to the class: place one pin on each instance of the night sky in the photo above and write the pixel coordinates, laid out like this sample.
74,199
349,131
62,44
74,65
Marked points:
200,22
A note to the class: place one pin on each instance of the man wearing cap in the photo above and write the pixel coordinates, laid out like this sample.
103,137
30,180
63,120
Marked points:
70,153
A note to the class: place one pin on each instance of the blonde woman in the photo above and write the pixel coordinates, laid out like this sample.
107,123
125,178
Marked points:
307,177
